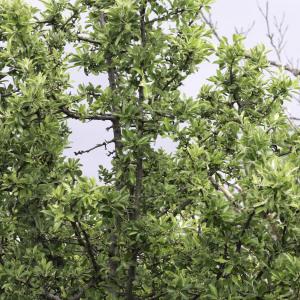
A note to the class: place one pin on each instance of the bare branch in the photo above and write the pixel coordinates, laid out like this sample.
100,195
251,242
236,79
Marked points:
210,23
243,31
291,63
282,31
109,128
196,15
294,71
278,45
104,144
213,26
110,153
294,118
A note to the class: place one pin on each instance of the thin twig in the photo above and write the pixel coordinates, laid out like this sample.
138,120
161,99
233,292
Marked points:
281,29
243,31
210,23
104,144
213,27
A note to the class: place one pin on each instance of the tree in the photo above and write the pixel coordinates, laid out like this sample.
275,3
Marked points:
219,219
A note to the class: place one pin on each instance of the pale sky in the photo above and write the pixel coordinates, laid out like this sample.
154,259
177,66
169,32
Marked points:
228,14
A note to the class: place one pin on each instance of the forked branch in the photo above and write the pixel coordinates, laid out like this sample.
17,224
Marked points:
279,44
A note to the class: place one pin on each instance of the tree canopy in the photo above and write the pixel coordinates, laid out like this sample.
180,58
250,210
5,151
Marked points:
217,219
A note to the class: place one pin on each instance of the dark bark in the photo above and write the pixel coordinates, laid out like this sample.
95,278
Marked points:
245,227
131,274
86,244
117,132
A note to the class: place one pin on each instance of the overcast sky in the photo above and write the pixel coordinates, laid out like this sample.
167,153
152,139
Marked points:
229,14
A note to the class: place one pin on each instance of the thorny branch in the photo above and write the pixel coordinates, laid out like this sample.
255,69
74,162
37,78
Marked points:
104,144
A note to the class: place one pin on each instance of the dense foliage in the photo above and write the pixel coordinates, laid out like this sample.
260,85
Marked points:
217,219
